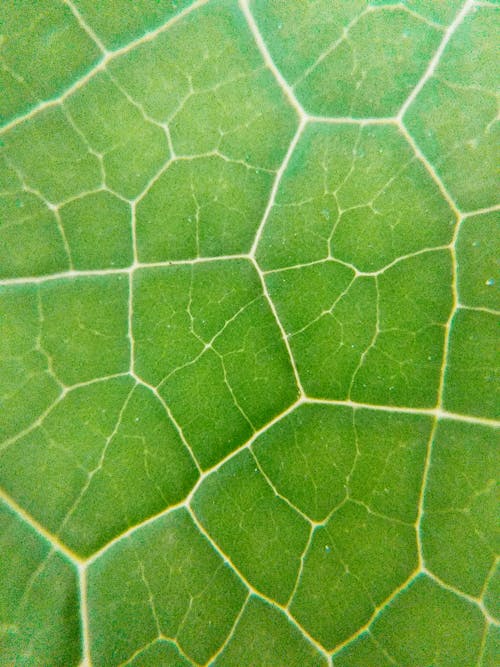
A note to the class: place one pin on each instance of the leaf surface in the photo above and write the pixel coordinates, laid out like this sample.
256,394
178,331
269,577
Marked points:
248,334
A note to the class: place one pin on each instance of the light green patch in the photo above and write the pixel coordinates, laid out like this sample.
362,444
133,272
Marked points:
27,385
131,151
217,95
309,456
204,207
51,157
117,23
31,243
388,471
83,327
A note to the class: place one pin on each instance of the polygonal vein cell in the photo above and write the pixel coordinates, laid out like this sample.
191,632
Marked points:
454,117
319,456
473,370
132,149
350,59
355,194
356,267
168,583
471,380
205,335
84,327
51,156
109,458
359,473
262,535
230,127
373,340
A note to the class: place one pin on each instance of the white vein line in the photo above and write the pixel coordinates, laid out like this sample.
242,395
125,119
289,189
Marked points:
376,612
187,262
38,528
482,211
436,58
429,412
225,643
89,273
465,596
303,557
276,184
421,499
85,27
28,280
84,616
253,590
133,229
284,337
264,51
348,120
453,310
430,170
184,503
100,66
171,417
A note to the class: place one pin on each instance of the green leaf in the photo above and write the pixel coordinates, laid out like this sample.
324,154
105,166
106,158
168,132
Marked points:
249,372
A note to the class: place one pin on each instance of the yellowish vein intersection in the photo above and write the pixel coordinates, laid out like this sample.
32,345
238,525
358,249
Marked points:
248,333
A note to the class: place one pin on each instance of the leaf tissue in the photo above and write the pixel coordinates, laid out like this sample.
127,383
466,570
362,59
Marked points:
249,370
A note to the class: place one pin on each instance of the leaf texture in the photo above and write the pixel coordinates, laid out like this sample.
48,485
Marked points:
248,333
